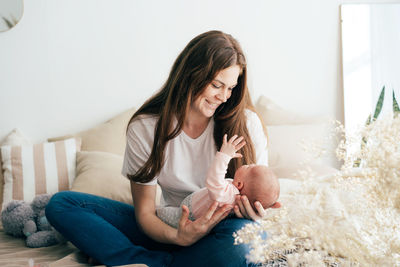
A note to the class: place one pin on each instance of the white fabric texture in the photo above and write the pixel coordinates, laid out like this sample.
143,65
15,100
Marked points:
186,159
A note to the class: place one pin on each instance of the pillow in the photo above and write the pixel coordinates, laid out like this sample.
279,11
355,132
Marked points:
272,114
15,137
292,171
30,170
287,144
107,137
99,173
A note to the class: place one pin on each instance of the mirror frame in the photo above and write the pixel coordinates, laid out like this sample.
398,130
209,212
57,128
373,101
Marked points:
7,22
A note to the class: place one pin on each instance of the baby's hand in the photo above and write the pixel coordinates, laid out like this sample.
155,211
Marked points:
234,144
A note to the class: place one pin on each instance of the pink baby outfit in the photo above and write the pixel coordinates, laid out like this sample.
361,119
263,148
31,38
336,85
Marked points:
217,189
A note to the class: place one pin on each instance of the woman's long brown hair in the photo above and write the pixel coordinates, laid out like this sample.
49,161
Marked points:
194,69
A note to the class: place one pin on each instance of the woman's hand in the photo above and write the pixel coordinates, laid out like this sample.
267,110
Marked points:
243,209
190,231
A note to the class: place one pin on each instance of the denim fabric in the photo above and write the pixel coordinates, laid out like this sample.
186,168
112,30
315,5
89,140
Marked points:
107,231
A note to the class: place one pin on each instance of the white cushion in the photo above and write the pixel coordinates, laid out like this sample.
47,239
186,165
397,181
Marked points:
272,114
290,148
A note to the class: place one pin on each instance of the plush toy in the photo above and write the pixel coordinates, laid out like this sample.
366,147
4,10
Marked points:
21,219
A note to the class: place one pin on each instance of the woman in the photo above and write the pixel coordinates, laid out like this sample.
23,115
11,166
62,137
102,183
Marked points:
171,140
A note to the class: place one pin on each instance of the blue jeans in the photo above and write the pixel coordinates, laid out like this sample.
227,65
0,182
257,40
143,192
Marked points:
107,231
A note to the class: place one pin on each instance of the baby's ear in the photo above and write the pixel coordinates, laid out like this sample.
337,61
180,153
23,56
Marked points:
276,205
240,185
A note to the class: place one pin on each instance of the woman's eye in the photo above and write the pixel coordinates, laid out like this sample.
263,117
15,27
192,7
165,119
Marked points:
216,86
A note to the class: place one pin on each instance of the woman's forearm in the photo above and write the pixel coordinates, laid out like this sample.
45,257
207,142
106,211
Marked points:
157,229
145,212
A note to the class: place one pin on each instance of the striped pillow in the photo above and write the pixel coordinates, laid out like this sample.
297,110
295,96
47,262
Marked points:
31,170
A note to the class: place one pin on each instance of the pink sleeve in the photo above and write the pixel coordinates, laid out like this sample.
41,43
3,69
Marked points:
219,188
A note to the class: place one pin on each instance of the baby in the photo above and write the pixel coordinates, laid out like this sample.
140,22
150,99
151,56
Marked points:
257,182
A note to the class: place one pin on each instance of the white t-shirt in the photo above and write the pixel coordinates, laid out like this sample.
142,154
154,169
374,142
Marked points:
186,159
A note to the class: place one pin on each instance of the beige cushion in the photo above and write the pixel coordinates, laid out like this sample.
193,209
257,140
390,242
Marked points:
109,136
99,173
45,168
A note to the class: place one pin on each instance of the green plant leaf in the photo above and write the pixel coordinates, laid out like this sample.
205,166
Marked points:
379,104
396,108
378,109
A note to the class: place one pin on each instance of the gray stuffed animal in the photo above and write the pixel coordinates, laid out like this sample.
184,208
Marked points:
21,219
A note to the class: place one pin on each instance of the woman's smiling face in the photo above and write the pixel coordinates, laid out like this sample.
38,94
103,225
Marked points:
217,92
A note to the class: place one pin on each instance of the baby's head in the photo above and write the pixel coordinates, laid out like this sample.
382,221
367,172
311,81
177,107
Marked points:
258,183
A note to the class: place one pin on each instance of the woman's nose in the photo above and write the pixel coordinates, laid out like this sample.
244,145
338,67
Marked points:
223,95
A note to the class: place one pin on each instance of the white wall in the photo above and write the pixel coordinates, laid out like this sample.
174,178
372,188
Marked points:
70,64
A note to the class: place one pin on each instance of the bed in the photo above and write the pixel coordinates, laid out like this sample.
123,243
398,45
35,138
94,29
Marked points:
13,252
99,161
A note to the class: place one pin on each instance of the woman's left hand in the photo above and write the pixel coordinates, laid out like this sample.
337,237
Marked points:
243,209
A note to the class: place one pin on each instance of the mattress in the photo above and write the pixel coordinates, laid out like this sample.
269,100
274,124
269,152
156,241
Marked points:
13,252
